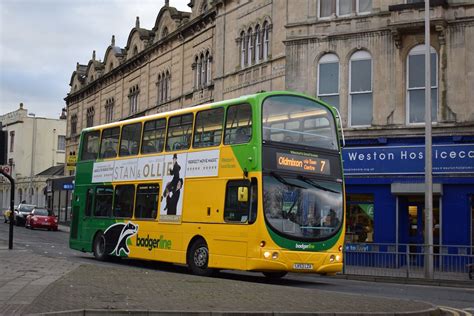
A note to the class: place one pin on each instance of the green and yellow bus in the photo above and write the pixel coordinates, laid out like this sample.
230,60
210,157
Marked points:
253,183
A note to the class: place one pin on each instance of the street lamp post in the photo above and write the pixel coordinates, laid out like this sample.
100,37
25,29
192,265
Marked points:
428,152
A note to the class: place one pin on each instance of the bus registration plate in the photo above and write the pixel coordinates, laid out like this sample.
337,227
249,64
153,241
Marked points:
303,266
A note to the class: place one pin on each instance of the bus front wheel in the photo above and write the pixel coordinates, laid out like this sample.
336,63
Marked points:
198,258
99,247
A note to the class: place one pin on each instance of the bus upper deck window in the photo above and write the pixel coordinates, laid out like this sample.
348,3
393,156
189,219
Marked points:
130,139
90,145
208,128
179,132
238,128
153,136
109,142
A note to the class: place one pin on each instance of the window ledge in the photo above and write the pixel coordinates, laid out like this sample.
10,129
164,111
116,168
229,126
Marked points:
417,5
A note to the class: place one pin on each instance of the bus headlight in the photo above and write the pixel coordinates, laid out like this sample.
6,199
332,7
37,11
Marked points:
332,258
275,255
267,254
338,258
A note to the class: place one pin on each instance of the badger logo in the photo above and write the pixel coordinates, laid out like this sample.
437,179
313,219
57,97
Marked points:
116,237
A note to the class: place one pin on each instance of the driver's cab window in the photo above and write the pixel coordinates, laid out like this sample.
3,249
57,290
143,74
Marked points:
241,201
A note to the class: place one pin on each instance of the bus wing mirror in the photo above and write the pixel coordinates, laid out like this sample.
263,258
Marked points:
243,194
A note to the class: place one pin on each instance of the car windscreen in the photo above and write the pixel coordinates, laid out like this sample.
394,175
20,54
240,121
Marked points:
26,208
41,212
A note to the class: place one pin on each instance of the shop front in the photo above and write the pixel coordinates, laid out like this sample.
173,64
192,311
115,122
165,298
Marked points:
385,192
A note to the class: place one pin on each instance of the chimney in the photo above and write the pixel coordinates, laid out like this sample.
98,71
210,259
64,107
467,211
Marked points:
21,106
112,43
167,3
93,55
137,23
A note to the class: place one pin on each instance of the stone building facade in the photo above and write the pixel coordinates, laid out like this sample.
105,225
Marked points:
186,59
366,57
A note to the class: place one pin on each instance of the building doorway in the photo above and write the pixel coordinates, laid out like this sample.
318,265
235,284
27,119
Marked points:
412,219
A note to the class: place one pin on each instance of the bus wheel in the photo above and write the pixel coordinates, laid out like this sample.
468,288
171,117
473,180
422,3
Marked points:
275,275
99,247
198,258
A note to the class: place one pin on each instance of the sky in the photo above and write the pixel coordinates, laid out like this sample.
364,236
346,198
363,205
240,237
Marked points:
42,40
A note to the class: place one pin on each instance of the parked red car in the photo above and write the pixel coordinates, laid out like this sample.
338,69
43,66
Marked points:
41,218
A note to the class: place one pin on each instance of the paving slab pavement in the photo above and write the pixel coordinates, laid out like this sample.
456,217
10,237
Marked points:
34,284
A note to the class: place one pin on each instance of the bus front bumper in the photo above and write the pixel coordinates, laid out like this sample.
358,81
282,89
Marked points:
297,261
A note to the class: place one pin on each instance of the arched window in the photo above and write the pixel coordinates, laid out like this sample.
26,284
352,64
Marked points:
158,85
258,43
416,85
167,85
203,7
199,69
328,79
164,33
249,47
243,49
266,40
209,60
360,92
203,70
135,50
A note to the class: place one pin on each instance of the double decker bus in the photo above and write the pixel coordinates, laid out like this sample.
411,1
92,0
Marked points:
253,183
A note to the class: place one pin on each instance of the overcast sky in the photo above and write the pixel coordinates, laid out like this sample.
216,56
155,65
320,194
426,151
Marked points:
41,41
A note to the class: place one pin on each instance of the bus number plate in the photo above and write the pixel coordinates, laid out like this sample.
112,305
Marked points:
303,266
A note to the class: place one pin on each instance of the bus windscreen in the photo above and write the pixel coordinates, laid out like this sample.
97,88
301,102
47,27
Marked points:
297,120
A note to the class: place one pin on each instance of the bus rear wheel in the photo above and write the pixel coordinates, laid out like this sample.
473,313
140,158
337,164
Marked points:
99,247
198,258
275,275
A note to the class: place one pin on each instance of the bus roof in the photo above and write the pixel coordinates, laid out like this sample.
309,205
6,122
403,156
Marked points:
240,99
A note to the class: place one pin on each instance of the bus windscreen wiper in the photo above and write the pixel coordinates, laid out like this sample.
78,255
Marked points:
314,184
282,180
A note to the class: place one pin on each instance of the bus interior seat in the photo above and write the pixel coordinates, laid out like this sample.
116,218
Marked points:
124,151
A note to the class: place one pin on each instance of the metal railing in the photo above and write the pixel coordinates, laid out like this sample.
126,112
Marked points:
451,262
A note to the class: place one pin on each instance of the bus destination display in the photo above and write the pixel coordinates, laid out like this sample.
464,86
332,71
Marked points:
302,163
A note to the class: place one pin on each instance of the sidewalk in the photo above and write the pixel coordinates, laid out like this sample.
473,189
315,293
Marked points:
31,283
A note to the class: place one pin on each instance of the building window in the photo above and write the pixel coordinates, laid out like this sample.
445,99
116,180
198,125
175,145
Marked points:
165,32
196,72
202,68
360,218
12,141
333,8
133,97
266,40
90,117
360,99
209,61
73,124
249,40
416,85
163,85
328,79
109,110
61,142
258,43
243,50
